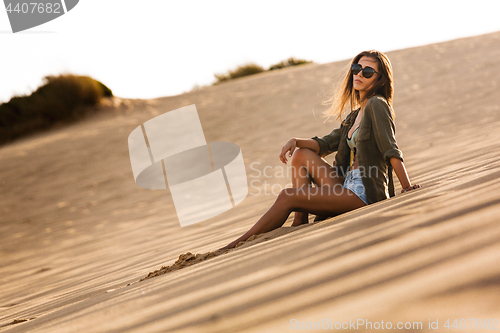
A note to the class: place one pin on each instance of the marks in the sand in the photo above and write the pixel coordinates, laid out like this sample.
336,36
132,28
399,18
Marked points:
8,305
185,260
43,269
17,321
189,259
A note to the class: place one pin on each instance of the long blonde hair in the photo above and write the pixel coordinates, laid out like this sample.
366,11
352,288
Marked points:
347,98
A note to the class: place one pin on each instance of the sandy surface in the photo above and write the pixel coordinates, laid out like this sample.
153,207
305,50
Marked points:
77,234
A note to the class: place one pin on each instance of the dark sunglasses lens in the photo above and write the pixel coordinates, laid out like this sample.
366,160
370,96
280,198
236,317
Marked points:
368,72
355,69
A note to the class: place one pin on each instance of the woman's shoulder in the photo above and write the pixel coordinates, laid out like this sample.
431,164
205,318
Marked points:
377,100
377,104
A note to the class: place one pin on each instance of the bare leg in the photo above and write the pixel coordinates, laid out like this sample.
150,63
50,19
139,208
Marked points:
308,167
317,200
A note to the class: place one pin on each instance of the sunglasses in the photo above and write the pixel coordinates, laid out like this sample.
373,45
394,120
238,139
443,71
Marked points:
367,71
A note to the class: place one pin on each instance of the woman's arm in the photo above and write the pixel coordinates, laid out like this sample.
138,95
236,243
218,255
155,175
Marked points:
298,143
400,170
308,143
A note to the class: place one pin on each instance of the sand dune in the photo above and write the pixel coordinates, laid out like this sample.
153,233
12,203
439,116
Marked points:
77,234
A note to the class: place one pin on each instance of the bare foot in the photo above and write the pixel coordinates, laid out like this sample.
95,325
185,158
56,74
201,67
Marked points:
240,242
224,248
228,246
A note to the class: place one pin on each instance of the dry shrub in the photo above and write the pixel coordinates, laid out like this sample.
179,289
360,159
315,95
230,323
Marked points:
243,70
289,63
252,68
60,98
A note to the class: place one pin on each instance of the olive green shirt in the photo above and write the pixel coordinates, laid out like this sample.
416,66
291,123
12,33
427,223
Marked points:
376,144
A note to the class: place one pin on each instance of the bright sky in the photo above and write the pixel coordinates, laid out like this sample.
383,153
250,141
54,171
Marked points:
154,48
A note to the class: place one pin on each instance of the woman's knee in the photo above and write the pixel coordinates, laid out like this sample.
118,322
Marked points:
300,156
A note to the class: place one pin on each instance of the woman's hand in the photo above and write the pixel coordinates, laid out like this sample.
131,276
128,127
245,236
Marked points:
289,146
409,188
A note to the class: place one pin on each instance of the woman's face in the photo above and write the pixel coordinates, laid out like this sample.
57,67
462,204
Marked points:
360,82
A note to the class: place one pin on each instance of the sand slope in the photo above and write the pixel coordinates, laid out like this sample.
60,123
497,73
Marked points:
77,234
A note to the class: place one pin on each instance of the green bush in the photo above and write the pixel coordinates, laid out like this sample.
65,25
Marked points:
242,70
252,68
60,98
288,63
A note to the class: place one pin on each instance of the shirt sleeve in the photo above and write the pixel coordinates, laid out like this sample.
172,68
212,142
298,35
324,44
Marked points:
328,143
383,128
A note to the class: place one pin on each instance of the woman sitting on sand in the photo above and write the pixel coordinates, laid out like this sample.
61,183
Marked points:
366,148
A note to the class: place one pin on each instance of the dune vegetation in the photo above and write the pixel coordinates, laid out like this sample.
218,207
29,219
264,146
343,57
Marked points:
62,98
252,68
